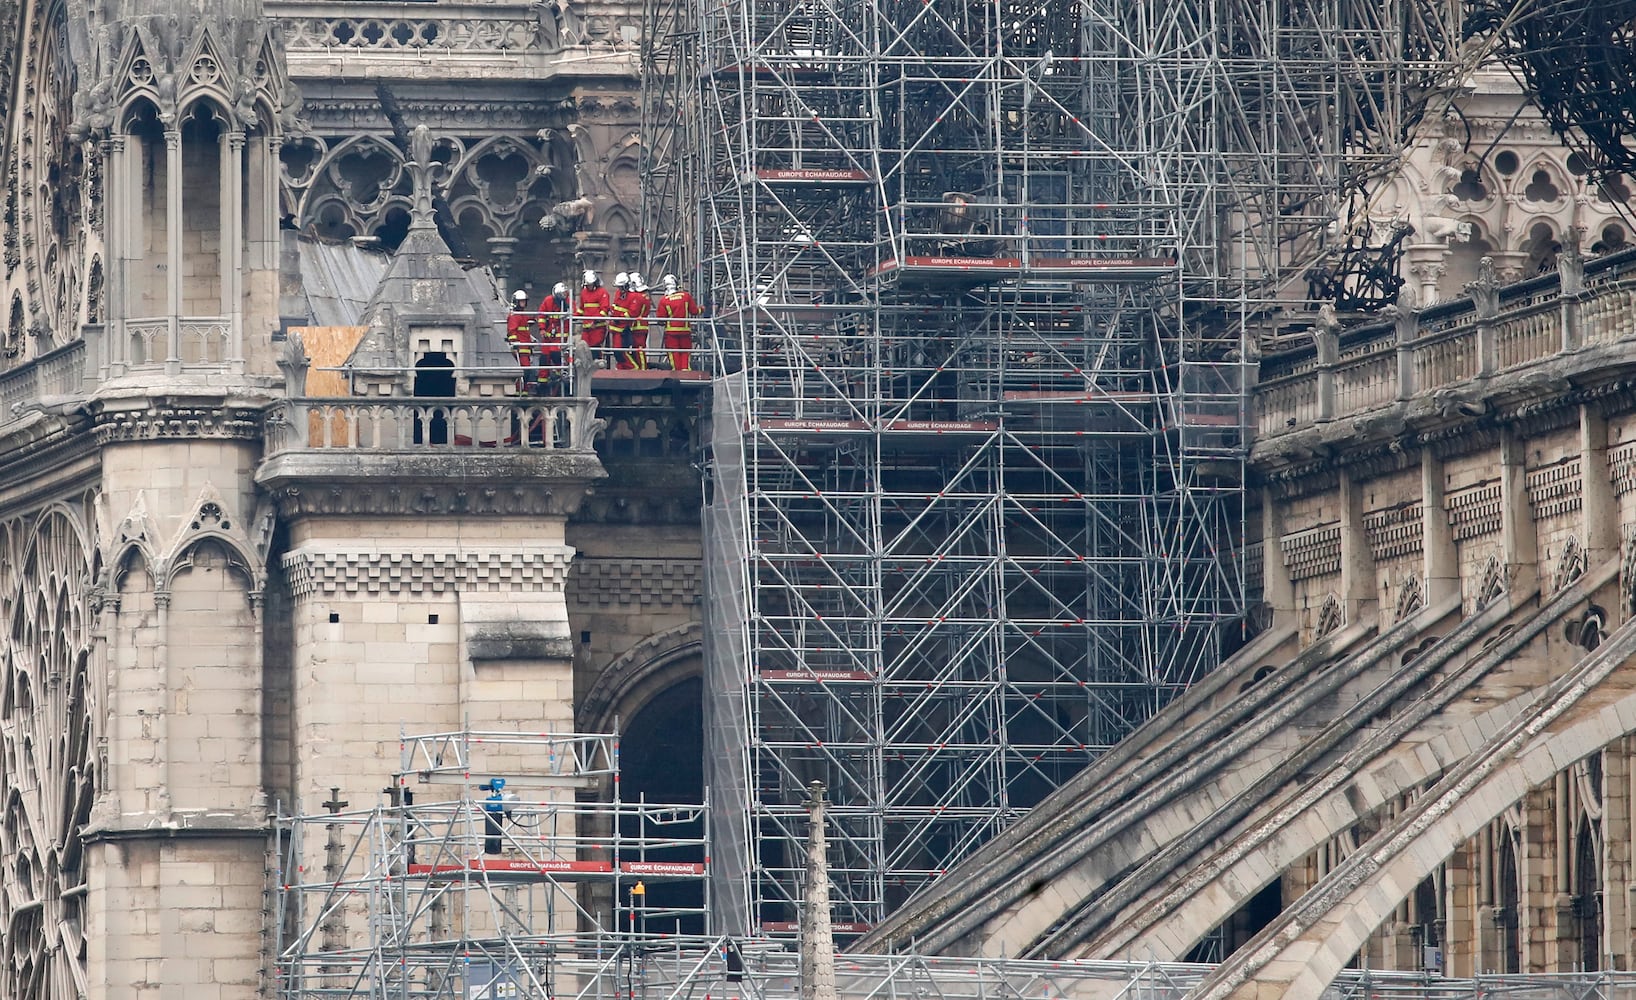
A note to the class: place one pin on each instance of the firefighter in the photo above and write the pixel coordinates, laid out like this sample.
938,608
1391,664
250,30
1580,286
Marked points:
619,327
520,337
594,307
676,308
638,305
554,309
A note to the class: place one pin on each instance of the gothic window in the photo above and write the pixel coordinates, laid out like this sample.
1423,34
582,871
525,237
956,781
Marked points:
1492,585
48,756
1470,186
1508,900
1571,565
1542,188
1542,248
16,327
1587,896
1507,163
1330,618
1613,240
1410,598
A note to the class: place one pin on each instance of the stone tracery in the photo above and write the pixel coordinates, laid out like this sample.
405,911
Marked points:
50,771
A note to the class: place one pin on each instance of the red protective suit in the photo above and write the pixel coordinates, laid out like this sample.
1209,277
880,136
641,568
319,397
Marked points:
553,326
594,308
637,306
520,337
676,309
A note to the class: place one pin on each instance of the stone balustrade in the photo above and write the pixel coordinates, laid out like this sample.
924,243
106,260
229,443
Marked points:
59,373
1451,346
430,425
477,29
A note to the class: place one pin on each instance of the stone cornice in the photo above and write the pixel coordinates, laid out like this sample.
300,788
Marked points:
330,570
486,484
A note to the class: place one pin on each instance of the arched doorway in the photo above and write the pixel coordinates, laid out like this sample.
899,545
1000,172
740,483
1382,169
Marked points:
661,757
434,378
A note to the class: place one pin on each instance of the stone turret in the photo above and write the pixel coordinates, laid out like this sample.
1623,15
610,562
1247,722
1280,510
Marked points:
187,102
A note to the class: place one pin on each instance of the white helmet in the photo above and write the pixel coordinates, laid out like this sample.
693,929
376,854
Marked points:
519,296
638,283
621,280
671,284
590,278
559,289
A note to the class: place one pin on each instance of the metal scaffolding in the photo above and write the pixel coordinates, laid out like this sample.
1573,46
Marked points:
454,893
985,280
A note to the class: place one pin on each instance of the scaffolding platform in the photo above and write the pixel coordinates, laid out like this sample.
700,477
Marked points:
406,897
923,268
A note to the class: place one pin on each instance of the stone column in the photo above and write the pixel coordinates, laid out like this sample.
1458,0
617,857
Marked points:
114,205
1616,852
1276,587
232,245
1359,584
1518,544
1462,904
1539,886
1440,555
173,248
1599,505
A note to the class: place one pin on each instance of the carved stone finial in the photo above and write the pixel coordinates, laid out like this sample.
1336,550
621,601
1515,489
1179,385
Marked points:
1485,291
1570,262
421,167
292,360
584,367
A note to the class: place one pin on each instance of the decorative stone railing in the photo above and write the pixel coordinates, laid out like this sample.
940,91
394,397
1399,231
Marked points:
59,373
200,340
487,28
430,425
1448,347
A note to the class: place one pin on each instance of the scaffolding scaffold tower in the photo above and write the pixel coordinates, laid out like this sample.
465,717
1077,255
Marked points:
516,871
986,279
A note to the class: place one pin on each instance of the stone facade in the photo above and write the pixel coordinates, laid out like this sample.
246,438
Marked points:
220,601
224,594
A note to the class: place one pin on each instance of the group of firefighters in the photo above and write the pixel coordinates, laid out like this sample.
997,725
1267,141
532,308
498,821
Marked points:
613,326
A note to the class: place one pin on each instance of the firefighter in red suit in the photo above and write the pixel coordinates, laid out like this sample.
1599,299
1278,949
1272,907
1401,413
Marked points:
594,307
520,337
619,327
554,309
677,309
638,306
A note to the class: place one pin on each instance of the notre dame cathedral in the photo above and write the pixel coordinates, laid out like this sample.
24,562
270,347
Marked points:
270,499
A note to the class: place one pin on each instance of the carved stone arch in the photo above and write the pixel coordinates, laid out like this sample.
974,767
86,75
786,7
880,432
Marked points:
211,519
624,171
1331,616
235,559
1491,585
350,183
1411,597
138,109
203,101
1627,575
1570,566
1539,239
645,670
